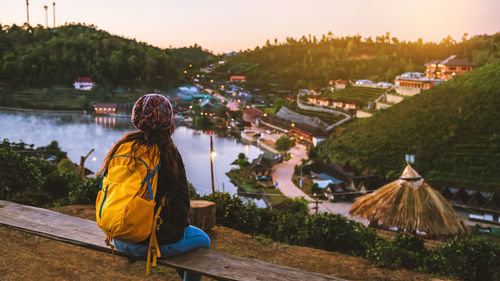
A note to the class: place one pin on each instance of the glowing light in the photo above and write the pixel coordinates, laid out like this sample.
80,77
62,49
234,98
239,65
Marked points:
248,106
190,65
265,114
293,124
211,80
213,154
185,71
234,94
94,158
197,75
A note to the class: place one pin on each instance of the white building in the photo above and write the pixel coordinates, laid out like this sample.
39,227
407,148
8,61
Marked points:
84,83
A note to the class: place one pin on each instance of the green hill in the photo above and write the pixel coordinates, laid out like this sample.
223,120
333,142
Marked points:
453,129
40,57
311,62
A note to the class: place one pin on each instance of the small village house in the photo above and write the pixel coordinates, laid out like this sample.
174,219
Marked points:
308,133
263,164
448,68
338,84
207,108
84,84
106,108
252,115
238,78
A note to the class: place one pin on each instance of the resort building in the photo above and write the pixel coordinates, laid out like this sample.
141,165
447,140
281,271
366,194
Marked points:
447,68
411,83
328,102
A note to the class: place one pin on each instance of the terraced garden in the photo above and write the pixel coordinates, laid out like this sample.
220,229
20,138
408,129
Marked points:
363,95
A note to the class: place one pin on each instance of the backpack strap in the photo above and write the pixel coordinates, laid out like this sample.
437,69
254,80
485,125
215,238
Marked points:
154,248
148,179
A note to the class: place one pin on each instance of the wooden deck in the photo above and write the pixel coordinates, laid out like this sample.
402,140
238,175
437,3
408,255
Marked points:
86,233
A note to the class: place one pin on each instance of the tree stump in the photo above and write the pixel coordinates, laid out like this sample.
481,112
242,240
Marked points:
203,214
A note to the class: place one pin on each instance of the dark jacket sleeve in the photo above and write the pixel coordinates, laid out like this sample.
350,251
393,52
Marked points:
175,214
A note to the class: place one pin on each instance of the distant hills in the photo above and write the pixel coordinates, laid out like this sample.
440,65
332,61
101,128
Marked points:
452,129
311,62
38,56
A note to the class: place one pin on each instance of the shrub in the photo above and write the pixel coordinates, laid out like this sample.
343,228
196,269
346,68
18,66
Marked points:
84,191
404,250
336,233
467,258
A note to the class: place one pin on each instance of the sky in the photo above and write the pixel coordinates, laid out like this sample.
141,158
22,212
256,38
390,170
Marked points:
222,25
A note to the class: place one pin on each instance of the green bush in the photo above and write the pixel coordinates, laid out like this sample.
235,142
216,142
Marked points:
404,251
467,258
292,224
84,191
29,179
336,233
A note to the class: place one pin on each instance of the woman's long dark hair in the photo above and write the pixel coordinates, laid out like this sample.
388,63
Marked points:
160,139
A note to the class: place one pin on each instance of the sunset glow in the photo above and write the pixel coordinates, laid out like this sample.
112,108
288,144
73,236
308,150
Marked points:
223,26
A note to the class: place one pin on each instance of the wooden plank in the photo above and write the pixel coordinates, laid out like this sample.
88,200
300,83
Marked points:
86,233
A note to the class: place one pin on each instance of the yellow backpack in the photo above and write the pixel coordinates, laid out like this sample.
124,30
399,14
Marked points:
125,204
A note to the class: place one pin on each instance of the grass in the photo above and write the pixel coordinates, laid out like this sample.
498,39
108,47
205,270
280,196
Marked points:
52,99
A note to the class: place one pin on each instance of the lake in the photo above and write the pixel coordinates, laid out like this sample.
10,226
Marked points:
78,133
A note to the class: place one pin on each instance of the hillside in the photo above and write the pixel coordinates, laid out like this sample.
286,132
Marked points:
39,57
452,129
311,62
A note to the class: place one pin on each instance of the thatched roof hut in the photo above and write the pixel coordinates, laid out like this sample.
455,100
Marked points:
409,204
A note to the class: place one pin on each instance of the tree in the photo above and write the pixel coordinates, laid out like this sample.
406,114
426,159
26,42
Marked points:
284,143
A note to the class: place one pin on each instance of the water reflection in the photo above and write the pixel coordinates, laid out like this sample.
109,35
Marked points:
106,121
78,133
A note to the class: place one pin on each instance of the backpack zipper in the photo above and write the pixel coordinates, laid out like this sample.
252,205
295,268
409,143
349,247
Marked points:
103,200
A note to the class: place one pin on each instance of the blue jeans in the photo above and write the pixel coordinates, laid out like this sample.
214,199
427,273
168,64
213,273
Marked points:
193,238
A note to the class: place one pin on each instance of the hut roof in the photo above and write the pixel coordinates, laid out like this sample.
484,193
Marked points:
410,204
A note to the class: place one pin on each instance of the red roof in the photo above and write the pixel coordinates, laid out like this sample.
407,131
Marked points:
238,77
84,80
105,105
253,112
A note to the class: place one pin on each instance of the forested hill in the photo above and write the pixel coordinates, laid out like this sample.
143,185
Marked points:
311,62
453,129
38,56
